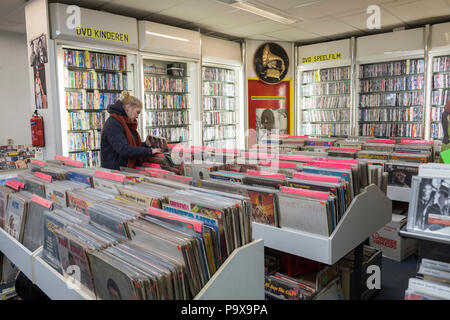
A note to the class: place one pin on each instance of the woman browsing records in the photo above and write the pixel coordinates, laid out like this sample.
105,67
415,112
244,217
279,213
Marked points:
121,144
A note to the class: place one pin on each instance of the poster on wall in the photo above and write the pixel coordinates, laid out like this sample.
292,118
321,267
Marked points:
269,109
38,59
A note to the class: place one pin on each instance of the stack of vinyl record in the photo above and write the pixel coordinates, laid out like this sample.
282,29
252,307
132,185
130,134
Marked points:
132,236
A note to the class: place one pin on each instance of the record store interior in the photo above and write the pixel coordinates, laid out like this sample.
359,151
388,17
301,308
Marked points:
225,150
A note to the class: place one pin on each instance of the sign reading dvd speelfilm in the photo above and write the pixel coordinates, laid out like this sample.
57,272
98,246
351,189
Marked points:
325,55
73,23
271,63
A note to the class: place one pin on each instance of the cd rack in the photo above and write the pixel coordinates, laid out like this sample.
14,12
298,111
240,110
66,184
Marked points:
219,107
92,81
166,100
325,102
440,93
391,99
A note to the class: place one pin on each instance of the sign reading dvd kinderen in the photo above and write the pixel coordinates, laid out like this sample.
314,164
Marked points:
102,34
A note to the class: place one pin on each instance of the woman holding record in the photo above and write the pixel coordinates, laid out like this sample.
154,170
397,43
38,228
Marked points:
121,144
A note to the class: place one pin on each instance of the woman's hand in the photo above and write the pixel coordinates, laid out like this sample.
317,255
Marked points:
156,150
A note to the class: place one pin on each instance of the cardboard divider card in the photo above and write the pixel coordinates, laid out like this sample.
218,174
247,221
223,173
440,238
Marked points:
43,202
278,164
151,165
329,165
161,213
255,155
266,174
343,149
295,158
156,170
37,162
344,161
74,163
14,184
43,176
380,141
109,176
316,177
305,192
417,141
61,158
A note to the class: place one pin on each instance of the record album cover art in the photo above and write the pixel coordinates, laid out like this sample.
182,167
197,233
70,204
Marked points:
270,121
400,175
38,59
16,211
110,282
429,209
262,207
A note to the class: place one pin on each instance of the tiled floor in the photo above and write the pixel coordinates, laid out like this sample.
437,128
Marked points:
394,278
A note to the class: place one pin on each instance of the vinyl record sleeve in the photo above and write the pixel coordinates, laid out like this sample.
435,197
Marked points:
111,283
207,221
156,283
146,235
263,207
4,195
72,252
50,254
8,271
33,236
16,214
400,174
429,208
314,216
336,189
161,262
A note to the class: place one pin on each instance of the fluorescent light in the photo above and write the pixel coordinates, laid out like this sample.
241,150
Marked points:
262,12
307,3
166,36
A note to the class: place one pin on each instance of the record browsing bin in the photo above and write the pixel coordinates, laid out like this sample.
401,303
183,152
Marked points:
368,212
86,211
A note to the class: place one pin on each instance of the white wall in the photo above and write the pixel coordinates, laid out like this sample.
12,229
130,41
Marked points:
14,89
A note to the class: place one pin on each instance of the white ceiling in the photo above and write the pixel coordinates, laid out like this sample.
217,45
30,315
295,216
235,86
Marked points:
319,20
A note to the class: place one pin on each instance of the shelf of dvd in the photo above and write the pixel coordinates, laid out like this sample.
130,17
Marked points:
325,102
391,99
167,99
369,211
92,81
440,93
219,107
